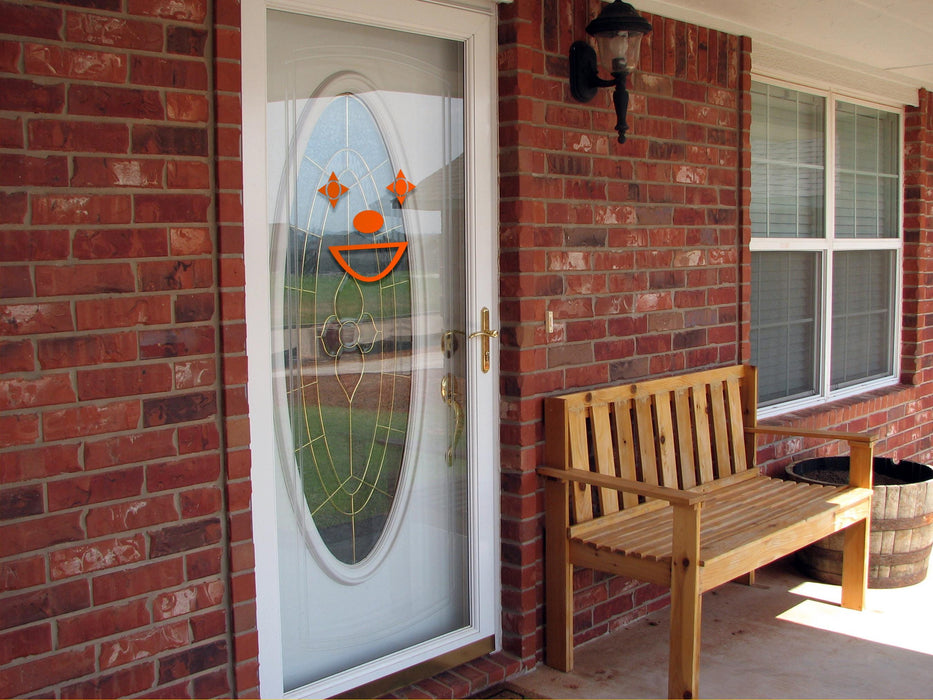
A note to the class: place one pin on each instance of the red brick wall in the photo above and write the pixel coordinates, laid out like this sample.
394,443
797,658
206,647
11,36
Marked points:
125,550
641,252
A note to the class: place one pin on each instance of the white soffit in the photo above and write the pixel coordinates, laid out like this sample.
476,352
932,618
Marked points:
881,49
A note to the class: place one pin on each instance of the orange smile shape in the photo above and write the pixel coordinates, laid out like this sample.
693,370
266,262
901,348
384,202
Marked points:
368,221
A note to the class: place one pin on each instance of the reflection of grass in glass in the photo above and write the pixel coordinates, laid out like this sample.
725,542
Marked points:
317,304
334,502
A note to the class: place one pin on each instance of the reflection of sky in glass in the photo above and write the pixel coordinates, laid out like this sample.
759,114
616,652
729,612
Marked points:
416,119
351,147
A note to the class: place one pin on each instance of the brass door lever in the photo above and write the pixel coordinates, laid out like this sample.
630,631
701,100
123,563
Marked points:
484,334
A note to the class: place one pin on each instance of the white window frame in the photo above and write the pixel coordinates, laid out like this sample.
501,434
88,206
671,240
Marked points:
829,244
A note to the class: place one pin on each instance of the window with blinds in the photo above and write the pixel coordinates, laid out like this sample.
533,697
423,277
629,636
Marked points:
826,245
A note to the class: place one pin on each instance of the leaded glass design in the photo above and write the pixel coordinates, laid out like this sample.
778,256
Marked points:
349,369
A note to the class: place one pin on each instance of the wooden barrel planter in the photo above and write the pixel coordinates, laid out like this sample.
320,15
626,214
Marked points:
901,522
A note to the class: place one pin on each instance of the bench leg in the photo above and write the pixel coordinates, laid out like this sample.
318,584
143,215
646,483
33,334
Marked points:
683,675
747,579
558,572
855,565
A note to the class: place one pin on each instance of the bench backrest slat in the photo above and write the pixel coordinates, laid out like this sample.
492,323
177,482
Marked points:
679,432
625,446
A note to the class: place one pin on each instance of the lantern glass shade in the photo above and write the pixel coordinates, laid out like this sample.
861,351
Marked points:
619,50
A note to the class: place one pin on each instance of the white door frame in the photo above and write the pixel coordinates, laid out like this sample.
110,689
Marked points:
475,25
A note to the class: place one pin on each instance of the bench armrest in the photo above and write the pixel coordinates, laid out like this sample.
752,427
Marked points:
675,497
861,448
863,438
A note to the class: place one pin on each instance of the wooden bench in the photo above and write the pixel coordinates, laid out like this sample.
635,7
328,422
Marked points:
657,481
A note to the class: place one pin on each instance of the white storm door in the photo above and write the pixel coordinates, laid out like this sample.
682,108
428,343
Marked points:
370,260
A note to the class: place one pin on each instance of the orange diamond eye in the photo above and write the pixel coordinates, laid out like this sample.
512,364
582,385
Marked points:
401,187
333,190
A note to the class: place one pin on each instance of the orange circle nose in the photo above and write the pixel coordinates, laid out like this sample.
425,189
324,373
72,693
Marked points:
368,221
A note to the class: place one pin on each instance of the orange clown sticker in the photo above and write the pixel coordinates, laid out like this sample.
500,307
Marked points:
368,221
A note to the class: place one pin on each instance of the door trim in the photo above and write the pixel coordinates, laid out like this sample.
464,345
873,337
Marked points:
475,26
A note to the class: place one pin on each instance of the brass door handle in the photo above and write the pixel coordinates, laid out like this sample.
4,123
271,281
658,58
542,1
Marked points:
451,396
484,334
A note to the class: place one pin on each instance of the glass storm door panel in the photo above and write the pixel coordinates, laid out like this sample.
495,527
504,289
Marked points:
365,168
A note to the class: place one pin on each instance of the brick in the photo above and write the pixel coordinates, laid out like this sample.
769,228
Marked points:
78,136
143,644
184,473
184,10
193,660
131,515
24,642
38,463
169,140
106,554
30,20
27,393
27,246
124,381
203,563
16,282
190,241
137,580
108,486
197,340
175,274
122,312
198,438
80,64
81,209
29,535
89,278
194,307
188,600
168,208
22,573
180,538
33,319
190,374
120,684
189,175
118,172
188,41
11,133
47,671
47,171
22,95
91,420
81,350
20,502
114,102
212,685
200,502
103,30
51,601
127,449
13,207
179,409
160,71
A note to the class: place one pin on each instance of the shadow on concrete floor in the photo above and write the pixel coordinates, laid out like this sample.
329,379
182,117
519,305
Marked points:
786,637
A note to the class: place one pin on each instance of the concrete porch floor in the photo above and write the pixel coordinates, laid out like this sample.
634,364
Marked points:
786,637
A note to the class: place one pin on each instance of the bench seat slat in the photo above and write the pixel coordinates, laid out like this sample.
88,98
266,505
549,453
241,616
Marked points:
649,536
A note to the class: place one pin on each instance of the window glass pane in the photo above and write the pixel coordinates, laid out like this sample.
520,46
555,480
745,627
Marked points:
866,172
785,324
862,316
788,172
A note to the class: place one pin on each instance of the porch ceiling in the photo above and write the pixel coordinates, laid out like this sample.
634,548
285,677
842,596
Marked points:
889,41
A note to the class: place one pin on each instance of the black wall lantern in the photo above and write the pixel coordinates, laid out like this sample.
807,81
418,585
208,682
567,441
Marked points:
618,31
